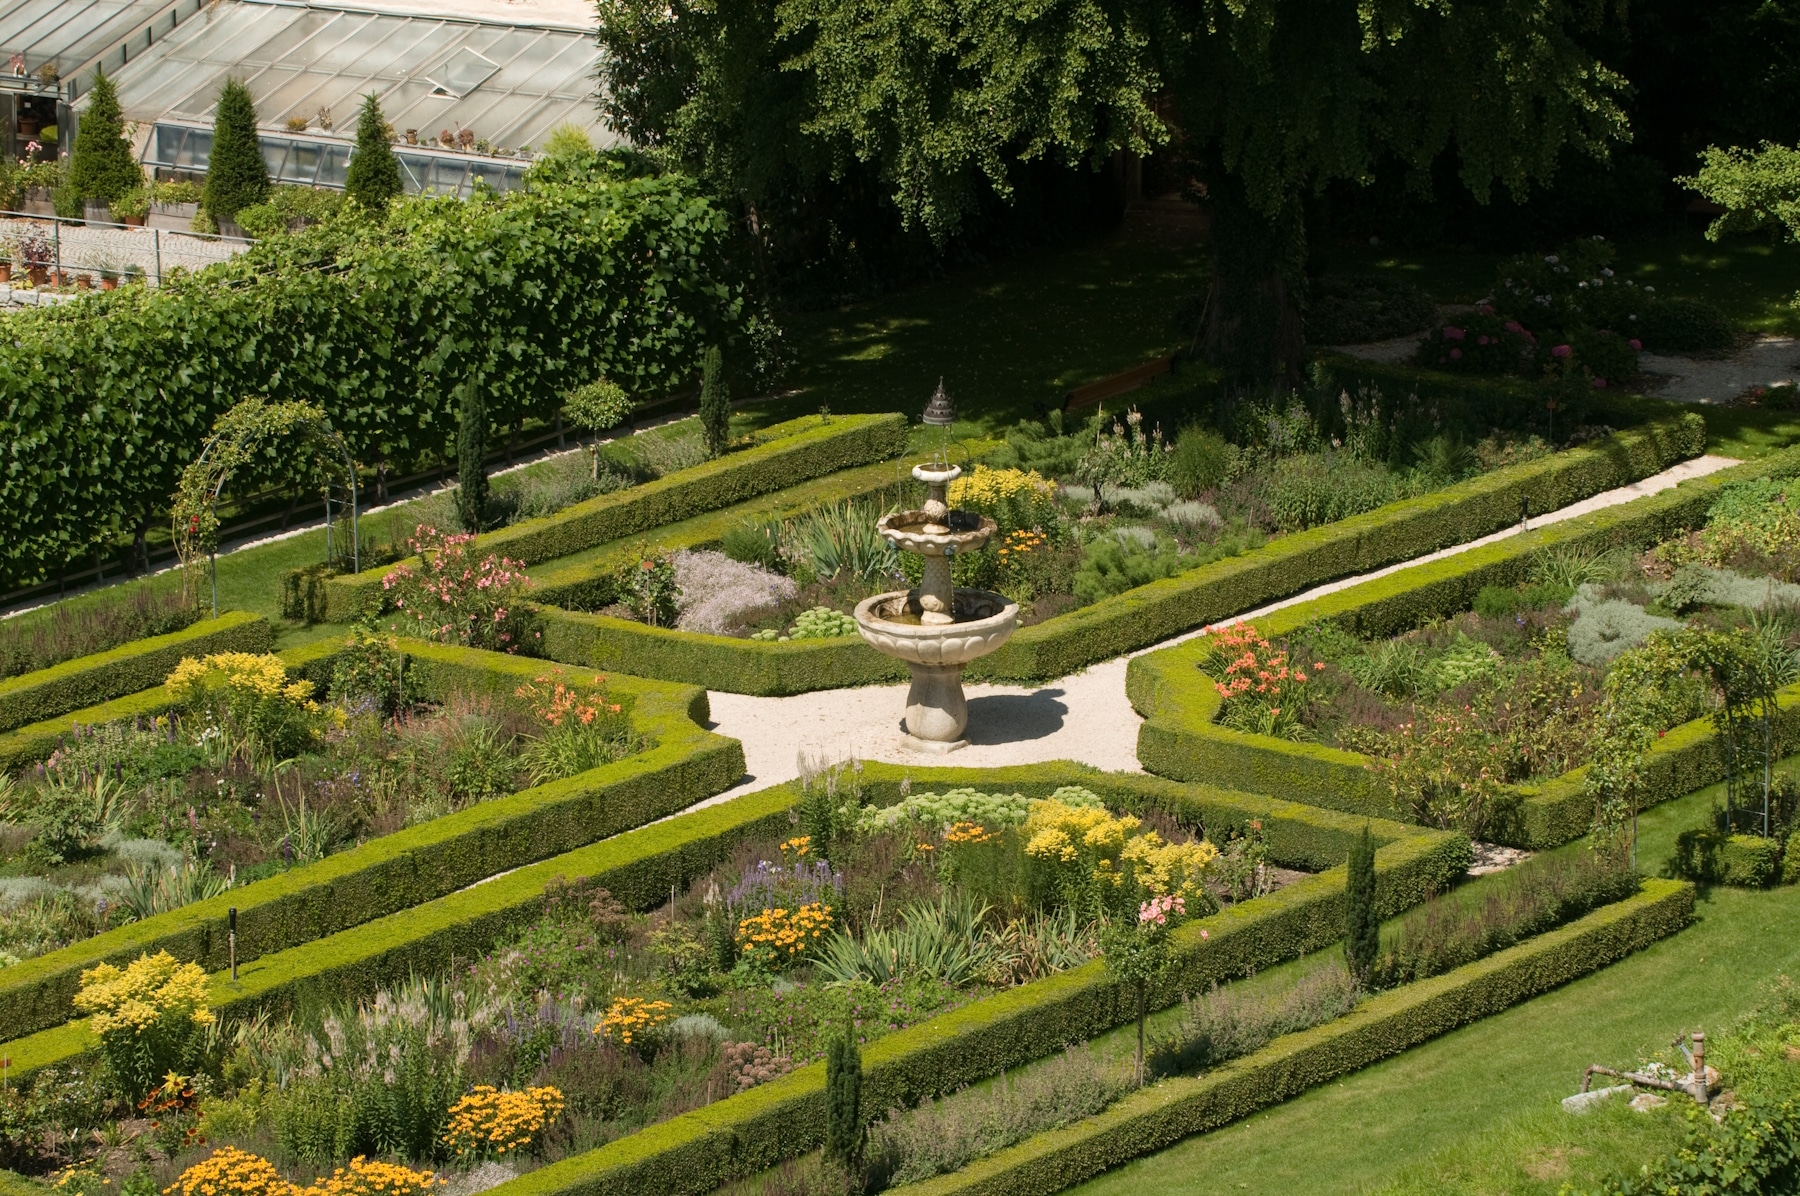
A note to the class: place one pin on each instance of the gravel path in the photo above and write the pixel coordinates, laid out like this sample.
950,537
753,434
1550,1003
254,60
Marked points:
1083,717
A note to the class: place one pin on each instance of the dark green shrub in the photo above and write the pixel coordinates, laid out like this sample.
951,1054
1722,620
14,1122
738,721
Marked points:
471,463
1354,309
1362,922
1312,489
1675,325
754,544
1604,355
236,175
1112,566
1493,602
844,1128
715,402
101,167
1202,457
374,176
1715,857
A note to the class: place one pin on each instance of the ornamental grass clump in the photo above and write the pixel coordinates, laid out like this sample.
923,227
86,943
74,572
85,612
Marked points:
488,1123
147,1016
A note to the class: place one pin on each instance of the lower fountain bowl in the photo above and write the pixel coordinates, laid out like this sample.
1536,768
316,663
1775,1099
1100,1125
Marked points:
984,621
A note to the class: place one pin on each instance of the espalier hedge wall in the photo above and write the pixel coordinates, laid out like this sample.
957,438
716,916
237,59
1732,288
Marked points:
1150,613
129,668
384,323
788,453
639,867
1157,1117
680,764
1180,740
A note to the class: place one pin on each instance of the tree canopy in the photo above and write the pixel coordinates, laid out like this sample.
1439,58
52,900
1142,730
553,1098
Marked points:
101,166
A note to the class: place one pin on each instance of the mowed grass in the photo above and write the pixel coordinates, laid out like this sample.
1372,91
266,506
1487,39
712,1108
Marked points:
1477,1110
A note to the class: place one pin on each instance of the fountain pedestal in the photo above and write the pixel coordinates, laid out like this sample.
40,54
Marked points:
936,629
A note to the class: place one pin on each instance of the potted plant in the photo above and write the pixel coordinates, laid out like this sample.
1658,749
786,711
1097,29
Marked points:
109,276
132,273
84,281
132,207
5,262
35,254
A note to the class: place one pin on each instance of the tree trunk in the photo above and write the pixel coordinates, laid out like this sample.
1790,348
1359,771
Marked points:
1252,329
1140,1046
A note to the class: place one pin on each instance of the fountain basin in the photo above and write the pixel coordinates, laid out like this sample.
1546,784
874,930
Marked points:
983,622
921,532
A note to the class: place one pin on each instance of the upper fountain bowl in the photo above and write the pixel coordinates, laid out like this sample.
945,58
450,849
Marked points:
936,530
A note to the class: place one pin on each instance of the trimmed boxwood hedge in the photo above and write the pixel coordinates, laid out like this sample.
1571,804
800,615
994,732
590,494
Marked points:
681,764
1157,1117
640,866
697,1151
32,697
1150,613
789,452
1180,740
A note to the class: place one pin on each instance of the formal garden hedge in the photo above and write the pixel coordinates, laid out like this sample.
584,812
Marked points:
786,453
1151,613
1179,738
640,866
680,764
129,668
1158,1116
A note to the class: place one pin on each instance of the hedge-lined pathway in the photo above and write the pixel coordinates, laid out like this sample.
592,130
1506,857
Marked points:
1083,717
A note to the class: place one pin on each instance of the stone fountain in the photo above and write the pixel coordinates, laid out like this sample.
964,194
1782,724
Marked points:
939,627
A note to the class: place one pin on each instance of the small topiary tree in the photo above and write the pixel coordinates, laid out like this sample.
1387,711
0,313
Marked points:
1136,951
236,175
374,176
596,407
471,463
844,1129
101,167
1362,925
715,402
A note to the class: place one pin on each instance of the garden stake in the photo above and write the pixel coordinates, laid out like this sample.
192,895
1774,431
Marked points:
231,939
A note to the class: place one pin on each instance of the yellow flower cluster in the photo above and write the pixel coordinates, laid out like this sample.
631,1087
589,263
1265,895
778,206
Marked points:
784,932
1107,848
229,1171
491,1122
966,832
985,488
257,677
1019,544
149,989
366,1178
800,845
629,1017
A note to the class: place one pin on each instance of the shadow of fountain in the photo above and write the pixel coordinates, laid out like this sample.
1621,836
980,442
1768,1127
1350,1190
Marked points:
1015,718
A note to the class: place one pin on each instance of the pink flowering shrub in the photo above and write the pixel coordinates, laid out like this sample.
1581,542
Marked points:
1481,343
453,598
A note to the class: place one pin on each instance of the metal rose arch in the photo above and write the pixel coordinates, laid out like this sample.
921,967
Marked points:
237,437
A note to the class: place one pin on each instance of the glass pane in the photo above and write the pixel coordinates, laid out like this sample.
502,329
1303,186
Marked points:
165,146
196,152
446,176
334,166
414,169
302,162
274,151
490,172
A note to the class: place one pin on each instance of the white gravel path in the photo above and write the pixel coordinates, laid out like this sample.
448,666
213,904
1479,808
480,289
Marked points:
1083,717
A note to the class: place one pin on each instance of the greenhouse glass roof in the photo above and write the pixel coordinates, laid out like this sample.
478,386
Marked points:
308,66
68,33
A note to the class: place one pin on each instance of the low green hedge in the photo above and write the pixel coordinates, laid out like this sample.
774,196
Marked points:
1179,703
697,1151
681,765
86,680
1142,616
788,453
1748,861
1161,1115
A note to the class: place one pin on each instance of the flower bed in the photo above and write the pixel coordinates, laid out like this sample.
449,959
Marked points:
1508,579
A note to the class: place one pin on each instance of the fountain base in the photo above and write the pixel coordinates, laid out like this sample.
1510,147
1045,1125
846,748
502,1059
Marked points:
936,711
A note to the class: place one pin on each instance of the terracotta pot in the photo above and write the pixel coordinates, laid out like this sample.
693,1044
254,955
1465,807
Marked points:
5,271
84,282
134,222
108,284
30,127
39,275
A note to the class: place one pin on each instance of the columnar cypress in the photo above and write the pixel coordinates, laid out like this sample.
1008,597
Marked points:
1362,925
101,167
843,1100
471,453
236,175
374,176
715,402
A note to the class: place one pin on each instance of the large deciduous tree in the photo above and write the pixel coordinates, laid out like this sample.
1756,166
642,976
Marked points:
1266,101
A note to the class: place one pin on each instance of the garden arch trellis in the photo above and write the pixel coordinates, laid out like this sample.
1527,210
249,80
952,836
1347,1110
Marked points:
235,439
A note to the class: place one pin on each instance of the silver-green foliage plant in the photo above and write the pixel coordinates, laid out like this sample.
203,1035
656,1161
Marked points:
990,810
816,623
1236,1019
1605,627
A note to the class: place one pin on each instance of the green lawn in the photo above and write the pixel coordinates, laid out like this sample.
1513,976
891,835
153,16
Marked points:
1354,1135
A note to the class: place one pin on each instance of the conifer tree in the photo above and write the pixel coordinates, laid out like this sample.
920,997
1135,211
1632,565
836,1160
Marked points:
374,176
471,459
236,175
715,402
844,1128
1362,925
101,167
